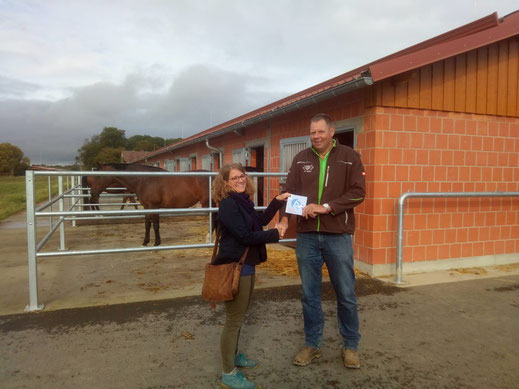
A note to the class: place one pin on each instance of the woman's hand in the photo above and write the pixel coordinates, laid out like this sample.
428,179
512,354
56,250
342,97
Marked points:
283,196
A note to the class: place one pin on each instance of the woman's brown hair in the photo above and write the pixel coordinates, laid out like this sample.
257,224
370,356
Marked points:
221,188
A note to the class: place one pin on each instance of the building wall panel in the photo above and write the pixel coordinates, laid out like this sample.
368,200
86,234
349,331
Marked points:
483,81
512,107
460,92
471,81
492,84
502,78
482,76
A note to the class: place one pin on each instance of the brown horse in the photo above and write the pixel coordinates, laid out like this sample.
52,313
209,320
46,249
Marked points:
162,192
99,184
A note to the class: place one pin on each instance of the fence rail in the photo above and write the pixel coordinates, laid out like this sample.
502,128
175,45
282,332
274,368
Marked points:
400,221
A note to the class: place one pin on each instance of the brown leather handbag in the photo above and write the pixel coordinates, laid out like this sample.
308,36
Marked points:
221,282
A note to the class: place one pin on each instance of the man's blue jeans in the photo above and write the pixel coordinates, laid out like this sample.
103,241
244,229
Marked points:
336,250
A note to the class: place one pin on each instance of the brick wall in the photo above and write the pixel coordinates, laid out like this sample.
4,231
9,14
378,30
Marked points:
428,151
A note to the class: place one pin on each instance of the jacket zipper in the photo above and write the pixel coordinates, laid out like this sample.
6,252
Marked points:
327,175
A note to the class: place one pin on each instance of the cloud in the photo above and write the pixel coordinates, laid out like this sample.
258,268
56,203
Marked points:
204,96
200,97
12,89
174,68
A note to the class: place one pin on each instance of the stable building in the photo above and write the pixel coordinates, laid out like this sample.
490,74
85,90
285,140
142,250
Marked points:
440,116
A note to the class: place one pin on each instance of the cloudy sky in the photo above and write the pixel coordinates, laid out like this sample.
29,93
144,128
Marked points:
173,68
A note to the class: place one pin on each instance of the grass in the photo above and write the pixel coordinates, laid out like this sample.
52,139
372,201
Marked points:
12,193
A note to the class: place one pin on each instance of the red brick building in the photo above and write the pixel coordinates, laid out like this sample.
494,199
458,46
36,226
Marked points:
440,116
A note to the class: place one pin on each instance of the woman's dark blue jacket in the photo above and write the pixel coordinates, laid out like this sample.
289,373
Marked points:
236,232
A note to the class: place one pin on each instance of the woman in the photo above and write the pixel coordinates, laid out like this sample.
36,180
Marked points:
240,227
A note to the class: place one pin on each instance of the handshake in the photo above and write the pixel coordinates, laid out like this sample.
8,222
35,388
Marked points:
282,226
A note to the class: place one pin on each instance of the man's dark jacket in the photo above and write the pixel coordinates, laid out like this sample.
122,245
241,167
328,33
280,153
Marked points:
344,188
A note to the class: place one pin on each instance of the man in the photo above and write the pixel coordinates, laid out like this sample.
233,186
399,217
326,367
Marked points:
332,177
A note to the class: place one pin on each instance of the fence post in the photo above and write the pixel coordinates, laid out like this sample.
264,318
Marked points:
50,198
61,219
31,243
210,213
73,200
399,240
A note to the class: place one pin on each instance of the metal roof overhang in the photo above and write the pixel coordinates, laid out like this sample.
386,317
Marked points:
349,86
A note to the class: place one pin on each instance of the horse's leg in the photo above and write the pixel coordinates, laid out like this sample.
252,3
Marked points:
94,200
95,206
156,228
85,192
147,225
86,202
125,199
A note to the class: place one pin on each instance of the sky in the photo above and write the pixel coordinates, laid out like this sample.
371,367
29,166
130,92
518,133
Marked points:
173,68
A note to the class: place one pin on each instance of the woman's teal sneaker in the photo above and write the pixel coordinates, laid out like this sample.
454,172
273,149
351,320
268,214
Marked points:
240,360
236,380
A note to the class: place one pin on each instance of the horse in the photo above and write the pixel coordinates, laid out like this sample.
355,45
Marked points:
156,192
99,184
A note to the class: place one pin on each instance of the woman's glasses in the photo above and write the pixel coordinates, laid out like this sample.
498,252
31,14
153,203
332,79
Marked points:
238,178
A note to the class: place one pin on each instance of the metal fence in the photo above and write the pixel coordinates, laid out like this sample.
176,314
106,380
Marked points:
400,221
70,195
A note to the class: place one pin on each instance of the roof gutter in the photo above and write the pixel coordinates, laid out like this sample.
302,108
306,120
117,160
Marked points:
341,89
220,152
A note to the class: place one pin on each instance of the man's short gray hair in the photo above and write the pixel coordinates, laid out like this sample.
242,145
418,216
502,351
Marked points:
322,116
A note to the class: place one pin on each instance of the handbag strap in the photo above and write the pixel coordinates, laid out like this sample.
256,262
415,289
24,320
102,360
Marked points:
242,259
215,248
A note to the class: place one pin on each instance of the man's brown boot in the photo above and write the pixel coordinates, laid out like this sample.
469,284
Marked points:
351,358
306,355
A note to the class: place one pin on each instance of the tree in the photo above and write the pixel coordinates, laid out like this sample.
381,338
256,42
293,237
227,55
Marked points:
112,137
10,158
170,141
102,148
22,167
145,145
88,152
109,155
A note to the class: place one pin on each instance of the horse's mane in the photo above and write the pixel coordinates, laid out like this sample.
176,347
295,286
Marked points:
132,167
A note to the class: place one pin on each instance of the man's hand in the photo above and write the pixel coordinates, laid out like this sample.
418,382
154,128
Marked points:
312,210
282,226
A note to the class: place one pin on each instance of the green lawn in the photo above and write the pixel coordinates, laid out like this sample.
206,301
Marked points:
12,193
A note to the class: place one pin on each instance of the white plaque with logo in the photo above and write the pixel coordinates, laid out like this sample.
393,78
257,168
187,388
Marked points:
295,204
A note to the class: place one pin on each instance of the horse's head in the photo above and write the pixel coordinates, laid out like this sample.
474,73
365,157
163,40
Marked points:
97,185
